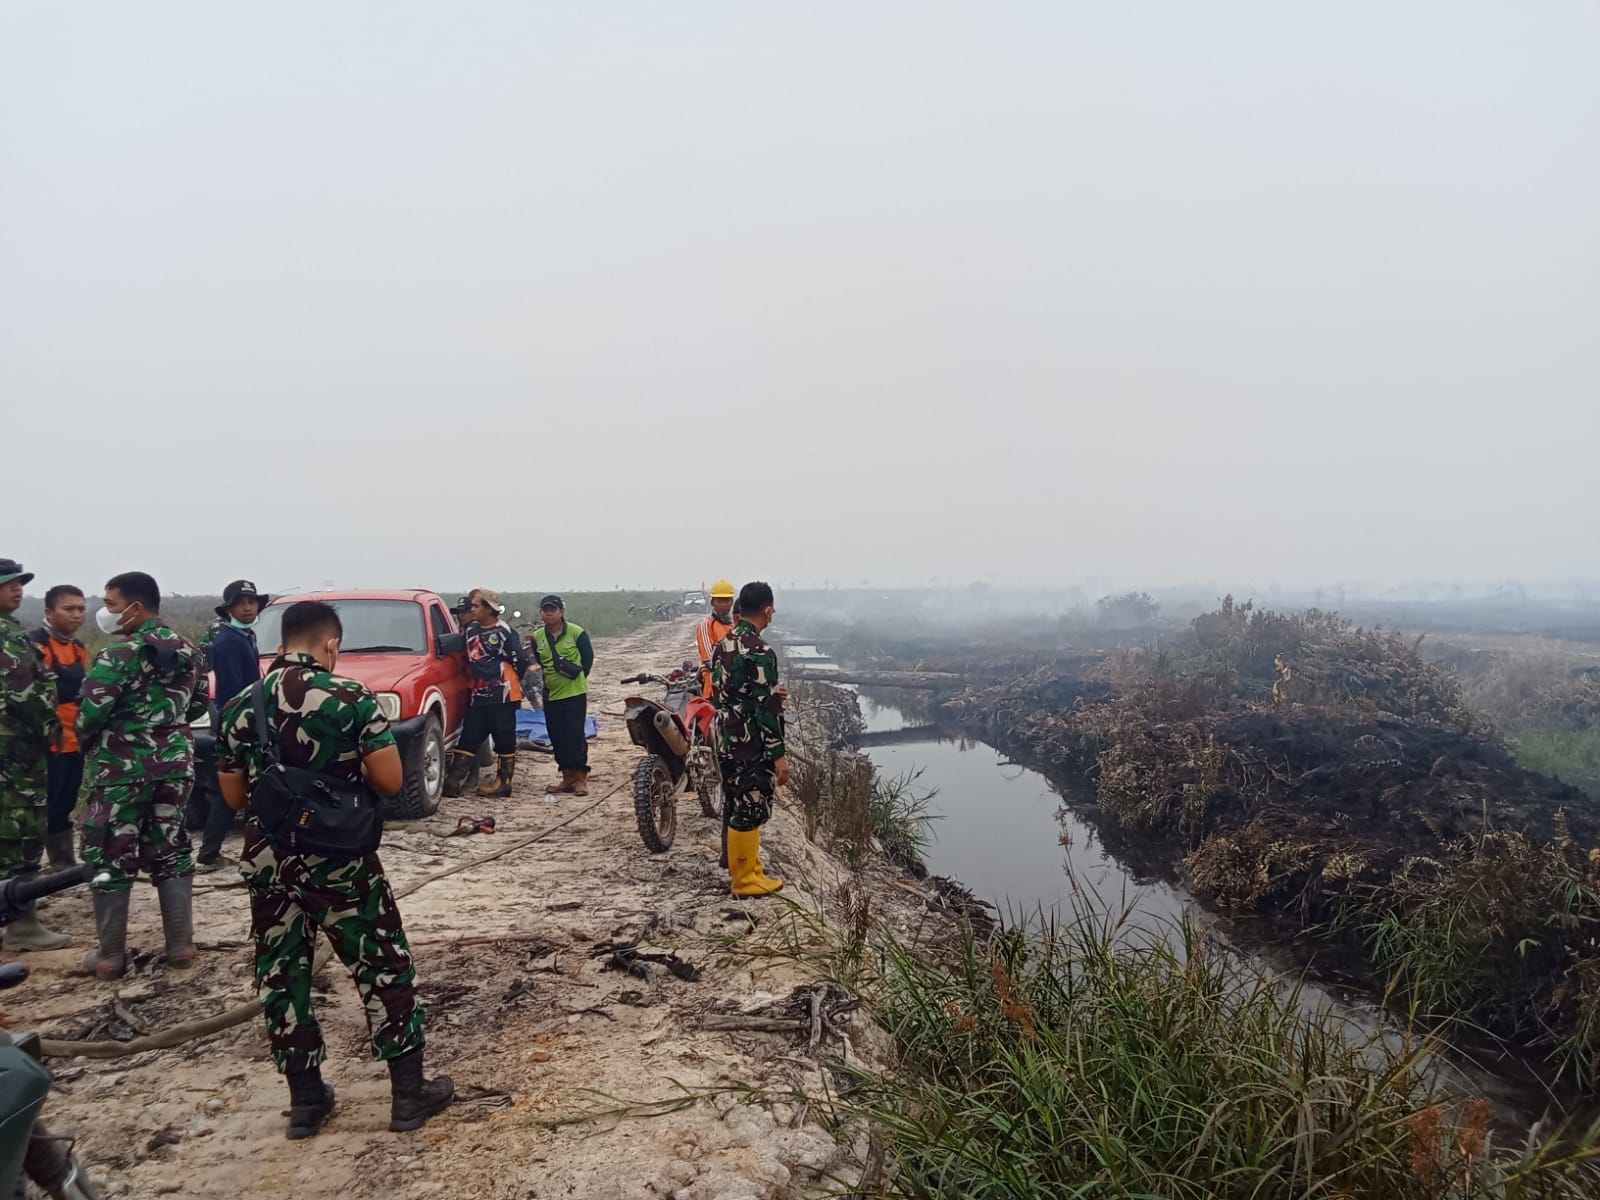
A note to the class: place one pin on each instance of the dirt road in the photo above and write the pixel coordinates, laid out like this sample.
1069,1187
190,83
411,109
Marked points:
522,1013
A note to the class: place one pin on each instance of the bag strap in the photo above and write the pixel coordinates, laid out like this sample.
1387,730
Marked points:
269,744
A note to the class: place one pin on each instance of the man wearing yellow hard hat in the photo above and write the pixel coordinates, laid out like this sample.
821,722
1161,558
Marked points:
718,625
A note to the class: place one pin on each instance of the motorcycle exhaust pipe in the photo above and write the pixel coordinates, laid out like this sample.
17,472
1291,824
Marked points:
671,732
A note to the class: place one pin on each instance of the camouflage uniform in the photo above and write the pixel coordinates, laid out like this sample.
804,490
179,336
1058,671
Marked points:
28,724
328,723
744,679
137,702
206,638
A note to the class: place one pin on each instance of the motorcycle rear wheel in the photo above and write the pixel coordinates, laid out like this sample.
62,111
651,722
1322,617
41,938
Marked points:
655,803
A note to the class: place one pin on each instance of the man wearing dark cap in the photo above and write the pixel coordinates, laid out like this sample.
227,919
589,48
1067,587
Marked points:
236,661
28,725
566,656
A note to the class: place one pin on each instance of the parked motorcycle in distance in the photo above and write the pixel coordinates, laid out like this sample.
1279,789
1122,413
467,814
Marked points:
25,1144
676,736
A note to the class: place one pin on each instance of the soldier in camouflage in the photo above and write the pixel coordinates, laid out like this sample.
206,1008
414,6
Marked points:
328,723
750,751
28,724
133,723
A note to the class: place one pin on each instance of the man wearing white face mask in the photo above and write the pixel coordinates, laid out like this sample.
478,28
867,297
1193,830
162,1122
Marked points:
136,705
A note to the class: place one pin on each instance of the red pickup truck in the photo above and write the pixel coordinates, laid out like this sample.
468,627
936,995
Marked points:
406,647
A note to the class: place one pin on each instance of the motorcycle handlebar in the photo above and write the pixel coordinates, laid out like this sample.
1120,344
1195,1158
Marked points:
17,894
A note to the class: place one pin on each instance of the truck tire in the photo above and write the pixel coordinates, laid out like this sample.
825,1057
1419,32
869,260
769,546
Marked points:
424,784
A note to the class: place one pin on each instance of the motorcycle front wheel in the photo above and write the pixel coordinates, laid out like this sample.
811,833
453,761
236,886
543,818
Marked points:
655,803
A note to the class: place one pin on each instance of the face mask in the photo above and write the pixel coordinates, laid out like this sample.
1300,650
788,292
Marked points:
109,622
238,624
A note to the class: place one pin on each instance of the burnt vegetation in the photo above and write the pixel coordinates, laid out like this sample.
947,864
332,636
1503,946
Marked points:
1347,782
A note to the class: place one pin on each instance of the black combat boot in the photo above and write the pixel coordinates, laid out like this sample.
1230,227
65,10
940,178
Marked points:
415,1099
310,1102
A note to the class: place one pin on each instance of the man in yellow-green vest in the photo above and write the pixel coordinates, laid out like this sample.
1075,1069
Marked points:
565,655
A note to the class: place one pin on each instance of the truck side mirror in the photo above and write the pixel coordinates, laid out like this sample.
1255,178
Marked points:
451,643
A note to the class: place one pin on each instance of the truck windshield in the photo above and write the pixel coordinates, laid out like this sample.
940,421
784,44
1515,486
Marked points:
370,627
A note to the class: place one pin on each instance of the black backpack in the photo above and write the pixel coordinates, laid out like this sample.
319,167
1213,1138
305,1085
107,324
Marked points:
310,812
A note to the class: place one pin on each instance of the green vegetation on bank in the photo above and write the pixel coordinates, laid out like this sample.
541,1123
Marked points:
1090,1060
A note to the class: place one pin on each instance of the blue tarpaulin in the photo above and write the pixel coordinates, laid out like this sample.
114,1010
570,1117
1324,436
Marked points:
531,727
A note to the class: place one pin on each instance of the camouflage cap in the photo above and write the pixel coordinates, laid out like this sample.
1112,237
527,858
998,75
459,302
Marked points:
11,572
490,597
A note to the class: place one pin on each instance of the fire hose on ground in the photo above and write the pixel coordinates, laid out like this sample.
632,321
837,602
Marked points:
240,1013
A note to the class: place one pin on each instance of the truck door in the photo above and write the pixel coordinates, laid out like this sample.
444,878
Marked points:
453,679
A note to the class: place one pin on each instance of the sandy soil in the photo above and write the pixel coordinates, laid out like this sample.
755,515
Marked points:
523,1014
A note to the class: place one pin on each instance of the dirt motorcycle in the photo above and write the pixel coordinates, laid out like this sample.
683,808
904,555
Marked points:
676,736
25,1144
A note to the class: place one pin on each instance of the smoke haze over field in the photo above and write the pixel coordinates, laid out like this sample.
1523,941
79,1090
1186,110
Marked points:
1150,293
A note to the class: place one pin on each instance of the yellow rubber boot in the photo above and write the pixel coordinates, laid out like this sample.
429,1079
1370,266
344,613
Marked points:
744,865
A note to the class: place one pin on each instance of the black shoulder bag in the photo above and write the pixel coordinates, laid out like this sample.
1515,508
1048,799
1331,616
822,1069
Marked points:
309,812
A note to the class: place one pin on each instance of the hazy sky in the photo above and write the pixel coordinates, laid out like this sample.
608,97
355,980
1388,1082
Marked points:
590,294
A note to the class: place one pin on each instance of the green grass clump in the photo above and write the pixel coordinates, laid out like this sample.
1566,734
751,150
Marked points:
1090,1060
1569,754
897,811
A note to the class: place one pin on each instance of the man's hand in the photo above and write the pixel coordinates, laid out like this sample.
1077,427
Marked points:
780,768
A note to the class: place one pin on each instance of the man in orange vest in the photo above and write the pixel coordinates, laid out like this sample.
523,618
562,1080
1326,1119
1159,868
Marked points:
716,626
57,639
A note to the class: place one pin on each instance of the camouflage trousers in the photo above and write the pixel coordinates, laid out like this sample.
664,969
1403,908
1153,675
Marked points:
24,794
747,791
292,897
133,827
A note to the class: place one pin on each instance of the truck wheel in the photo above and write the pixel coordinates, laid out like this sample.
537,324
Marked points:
424,784
655,803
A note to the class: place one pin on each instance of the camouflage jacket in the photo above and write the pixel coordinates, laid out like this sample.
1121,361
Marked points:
323,721
206,638
744,676
28,721
137,702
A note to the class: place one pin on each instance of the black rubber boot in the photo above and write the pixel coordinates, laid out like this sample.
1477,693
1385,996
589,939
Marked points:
415,1098
59,847
310,1102
455,776
177,920
110,959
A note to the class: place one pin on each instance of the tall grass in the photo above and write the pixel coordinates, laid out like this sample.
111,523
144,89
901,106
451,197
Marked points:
1079,1061
897,813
